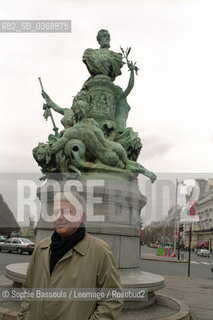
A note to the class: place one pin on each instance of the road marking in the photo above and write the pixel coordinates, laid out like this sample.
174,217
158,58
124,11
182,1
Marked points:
206,263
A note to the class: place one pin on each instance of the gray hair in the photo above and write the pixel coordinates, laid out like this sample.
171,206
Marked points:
71,197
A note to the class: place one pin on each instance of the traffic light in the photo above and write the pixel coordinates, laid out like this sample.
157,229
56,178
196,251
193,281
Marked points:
181,227
141,224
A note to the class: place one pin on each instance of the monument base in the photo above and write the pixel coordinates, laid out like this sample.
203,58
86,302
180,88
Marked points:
114,203
159,307
130,278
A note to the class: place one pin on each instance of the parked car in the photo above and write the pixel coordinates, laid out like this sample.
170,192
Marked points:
2,239
14,234
17,244
203,253
154,245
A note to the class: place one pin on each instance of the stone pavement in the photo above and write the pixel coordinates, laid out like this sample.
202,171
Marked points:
197,294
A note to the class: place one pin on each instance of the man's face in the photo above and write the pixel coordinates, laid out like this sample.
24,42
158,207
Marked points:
66,218
104,40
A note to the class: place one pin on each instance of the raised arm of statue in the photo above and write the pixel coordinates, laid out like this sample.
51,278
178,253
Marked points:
52,104
131,78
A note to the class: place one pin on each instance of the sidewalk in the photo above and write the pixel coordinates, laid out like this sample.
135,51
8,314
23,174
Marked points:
197,294
153,256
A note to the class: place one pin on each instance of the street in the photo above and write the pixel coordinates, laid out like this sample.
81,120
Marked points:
200,266
8,258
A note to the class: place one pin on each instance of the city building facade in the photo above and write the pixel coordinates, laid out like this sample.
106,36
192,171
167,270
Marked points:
202,230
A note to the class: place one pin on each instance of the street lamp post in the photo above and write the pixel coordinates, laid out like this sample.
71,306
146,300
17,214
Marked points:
175,233
190,241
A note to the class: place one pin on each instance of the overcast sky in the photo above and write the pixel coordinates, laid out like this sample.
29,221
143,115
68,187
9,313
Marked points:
171,103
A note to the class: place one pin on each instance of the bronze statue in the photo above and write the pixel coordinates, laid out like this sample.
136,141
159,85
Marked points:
95,136
102,60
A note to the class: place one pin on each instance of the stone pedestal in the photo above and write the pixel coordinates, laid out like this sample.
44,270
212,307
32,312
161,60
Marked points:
158,307
114,203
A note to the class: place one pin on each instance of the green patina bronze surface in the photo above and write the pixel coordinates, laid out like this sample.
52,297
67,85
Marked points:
95,136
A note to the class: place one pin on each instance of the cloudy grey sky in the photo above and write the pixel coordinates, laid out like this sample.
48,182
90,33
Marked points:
171,103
